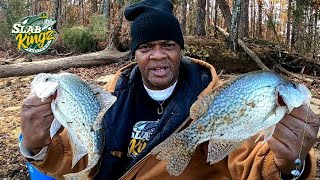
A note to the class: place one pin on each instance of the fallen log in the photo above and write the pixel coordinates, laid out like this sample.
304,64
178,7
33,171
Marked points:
246,49
84,60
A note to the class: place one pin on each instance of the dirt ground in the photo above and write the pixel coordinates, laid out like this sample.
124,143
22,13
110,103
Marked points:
14,90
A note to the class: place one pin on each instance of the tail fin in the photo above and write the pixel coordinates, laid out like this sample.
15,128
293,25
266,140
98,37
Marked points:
219,149
176,151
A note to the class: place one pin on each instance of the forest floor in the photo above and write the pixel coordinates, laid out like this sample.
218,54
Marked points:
13,90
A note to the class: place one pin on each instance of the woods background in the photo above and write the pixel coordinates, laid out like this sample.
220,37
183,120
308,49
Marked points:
282,35
99,23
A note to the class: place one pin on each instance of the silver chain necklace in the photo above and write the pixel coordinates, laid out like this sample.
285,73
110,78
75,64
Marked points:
160,110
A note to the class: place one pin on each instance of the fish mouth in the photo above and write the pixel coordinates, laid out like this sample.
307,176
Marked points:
55,95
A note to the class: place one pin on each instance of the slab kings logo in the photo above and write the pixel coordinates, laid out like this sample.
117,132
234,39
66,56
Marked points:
35,34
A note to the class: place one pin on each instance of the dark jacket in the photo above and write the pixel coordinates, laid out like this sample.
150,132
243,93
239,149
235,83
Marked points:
192,80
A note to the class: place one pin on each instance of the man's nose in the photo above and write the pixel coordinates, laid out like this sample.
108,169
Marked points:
158,53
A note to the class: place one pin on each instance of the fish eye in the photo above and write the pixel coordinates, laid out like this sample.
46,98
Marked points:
295,85
46,79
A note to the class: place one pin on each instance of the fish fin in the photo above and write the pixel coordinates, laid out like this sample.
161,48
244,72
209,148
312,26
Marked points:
261,134
219,149
292,98
176,151
267,133
78,149
304,90
58,118
93,159
54,128
270,123
106,100
83,174
200,106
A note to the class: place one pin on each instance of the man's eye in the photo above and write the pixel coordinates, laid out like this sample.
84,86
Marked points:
169,45
144,48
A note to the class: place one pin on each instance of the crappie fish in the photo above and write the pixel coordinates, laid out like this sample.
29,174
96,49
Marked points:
246,106
80,108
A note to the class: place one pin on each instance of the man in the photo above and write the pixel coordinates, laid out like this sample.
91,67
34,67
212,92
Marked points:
154,97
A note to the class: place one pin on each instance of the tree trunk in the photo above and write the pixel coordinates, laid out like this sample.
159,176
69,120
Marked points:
57,14
94,6
114,39
235,17
259,33
247,50
289,23
271,27
82,11
29,7
244,20
226,13
65,12
36,7
208,26
183,16
253,18
191,17
106,12
215,19
298,13
84,60
200,18
315,37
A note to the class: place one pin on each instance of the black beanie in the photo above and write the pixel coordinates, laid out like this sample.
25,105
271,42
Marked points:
153,20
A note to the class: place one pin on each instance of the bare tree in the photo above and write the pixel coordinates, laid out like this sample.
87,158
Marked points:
298,14
260,4
235,17
244,19
226,13
215,19
315,29
105,10
82,10
57,14
114,39
288,36
200,18
253,18
36,7
191,23
208,13
183,16
94,6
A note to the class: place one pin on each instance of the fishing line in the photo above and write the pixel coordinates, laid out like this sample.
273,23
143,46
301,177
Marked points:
296,173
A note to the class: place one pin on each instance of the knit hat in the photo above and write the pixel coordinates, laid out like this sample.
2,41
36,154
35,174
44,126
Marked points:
153,20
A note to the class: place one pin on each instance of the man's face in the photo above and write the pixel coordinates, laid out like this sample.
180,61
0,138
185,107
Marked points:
159,63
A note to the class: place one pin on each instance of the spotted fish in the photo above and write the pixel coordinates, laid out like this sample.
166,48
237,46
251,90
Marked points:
79,108
251,104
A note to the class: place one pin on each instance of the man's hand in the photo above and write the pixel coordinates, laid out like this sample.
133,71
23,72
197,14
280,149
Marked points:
36,119
287,138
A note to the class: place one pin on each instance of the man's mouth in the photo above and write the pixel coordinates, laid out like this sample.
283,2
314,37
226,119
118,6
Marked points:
159,71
